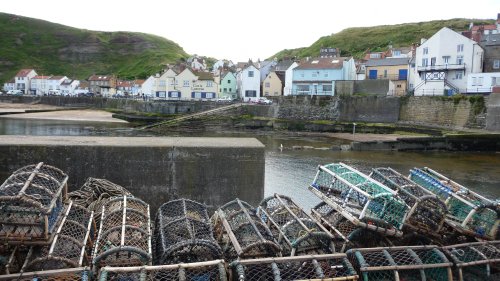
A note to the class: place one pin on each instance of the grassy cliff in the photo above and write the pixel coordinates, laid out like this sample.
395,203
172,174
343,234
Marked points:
355,41
57,49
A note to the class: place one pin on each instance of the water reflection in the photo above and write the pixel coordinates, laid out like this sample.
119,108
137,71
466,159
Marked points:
290,171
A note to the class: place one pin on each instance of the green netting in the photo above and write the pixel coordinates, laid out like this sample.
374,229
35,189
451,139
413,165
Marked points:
410,263
427,211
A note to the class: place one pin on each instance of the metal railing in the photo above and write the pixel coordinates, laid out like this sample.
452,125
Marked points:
441,67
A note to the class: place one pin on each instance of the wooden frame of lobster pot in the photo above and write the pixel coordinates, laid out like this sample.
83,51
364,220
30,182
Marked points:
298,233
124,234
242,234
31,202
68,274
183,233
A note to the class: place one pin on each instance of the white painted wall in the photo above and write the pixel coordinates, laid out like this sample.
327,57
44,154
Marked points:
287,91
250,83
482,82
147,87
444,43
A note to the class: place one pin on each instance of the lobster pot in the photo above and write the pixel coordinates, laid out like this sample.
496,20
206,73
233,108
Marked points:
427,212
124,234
347,235
318,267
360,199
401,263
183,233
475,261
13,259
71,246
469,212
209,271
298,233
94,193
31,200
242,234
70,274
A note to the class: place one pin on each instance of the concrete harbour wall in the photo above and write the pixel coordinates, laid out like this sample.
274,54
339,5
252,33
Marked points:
209,170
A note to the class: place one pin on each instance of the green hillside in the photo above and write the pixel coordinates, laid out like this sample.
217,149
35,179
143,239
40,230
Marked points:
355,41
57,49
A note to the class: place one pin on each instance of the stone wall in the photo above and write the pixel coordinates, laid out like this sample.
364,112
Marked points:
493,109
209,170
442,111
375,109
379,87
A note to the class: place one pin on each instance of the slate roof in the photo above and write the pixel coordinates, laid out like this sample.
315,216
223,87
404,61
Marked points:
100,77
204,75
388,62
283,65
322,63
490,40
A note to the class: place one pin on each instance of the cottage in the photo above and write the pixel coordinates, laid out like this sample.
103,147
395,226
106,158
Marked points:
204,86
317,76
103,84
183,84
68,87
9,85
165,85
393,69
22,80
228,86
273,85
249,82
443,63
287,90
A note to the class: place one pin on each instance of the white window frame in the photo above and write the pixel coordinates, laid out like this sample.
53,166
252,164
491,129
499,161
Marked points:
496,64
426,50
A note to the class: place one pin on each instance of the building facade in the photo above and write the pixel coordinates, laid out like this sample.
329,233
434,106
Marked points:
249,83
102,84
272,85
443,63
228,86
22,80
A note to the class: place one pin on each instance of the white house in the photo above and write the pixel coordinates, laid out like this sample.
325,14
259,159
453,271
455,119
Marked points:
68,87
221,63
147,88
443,63
197,63
43,85
287,91
23,80
249,82
9,85
54,83
482,83
165,85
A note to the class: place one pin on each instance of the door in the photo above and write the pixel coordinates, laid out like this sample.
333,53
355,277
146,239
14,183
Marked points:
403,74
372,74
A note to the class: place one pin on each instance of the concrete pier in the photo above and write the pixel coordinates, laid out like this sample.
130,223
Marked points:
155,169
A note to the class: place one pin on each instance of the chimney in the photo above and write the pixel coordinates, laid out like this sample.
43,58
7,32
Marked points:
422,40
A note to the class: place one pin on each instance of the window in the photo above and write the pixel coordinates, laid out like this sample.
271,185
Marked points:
209,83
480,81
433,61
460,48
425,62
229,89
228,81
374,56
496,64
385,73
302,88
250,73
185,83
302,75
225,90
398,86
460,59
267,84
327,87
426,51
458,75
250,94
446,59
474,81
266,93
495,81
314,74
396,53
162,83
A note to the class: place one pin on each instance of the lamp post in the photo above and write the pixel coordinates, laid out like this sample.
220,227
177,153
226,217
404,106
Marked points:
353,128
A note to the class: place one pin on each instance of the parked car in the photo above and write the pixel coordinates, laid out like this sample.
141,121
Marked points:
264,101
225,99
15,92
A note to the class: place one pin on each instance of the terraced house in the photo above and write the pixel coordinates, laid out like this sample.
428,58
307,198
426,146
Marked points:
103,84
228,85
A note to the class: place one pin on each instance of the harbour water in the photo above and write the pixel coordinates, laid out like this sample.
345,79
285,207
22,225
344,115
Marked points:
289,171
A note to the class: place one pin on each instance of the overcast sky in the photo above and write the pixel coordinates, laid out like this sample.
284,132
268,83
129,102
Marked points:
239,30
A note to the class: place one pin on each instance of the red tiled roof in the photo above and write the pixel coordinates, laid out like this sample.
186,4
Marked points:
321,63
124,84
484,27
139,81
41,77
24,72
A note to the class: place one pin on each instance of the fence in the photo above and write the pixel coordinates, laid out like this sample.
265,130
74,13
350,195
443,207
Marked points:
475,261
298,233
31,200
316,267
427,213
469,212
183,233
72,244
401,263
206,271
124,234
241,232
360,199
